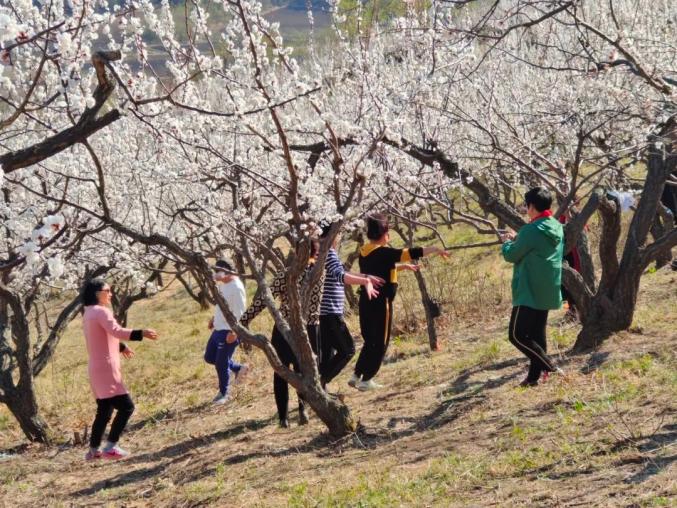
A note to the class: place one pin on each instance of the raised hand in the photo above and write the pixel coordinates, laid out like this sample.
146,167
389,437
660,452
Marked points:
150,334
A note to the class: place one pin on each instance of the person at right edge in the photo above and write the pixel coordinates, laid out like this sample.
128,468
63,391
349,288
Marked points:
376,314
536,253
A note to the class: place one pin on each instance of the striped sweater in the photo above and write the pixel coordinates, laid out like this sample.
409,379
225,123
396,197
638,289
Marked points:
333,295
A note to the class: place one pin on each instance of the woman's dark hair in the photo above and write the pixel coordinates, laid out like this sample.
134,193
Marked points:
377,226
540,197
89,291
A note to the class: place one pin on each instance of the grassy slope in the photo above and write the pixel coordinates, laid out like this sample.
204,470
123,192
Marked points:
449,428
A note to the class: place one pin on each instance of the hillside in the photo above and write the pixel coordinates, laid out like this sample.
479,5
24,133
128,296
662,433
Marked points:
448,429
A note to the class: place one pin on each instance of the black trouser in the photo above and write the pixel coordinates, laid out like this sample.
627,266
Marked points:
336,346
527,333
104,410
288,358
375,320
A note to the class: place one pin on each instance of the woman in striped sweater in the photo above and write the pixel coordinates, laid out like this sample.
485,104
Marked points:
336,344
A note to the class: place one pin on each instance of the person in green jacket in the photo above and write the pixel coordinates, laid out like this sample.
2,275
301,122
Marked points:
536,253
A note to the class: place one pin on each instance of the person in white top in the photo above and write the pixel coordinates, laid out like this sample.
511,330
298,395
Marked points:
223,342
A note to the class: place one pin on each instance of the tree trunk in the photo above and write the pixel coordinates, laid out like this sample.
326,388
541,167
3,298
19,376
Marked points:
22,404
607,316
587,263
328,408
429,314
612,308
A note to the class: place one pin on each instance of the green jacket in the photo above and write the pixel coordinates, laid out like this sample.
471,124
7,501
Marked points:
537,254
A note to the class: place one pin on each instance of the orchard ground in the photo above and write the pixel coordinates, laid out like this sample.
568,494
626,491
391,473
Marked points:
448,429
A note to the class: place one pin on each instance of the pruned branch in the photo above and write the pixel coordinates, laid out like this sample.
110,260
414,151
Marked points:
89,123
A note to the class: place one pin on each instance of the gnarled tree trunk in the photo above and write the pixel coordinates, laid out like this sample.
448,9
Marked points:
428,307
24,407
611,308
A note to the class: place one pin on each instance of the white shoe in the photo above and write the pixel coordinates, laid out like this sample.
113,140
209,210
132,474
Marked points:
221,399
241,374
354,381
365,386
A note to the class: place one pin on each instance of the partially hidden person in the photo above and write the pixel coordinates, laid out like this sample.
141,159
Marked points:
278,288
223,342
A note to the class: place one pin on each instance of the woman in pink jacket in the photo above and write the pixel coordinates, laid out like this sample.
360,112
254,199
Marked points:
103,335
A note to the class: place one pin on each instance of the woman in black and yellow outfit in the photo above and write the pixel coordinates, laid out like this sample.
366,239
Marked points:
376,258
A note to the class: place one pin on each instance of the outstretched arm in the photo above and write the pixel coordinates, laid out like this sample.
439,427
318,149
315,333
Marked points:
113,328
370,282
277,287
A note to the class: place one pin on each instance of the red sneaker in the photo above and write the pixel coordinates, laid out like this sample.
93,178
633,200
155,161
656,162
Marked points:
93,455
115,453
545,376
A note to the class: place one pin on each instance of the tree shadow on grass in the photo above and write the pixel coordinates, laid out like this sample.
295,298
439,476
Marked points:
648,445
405,355
323,444
319,443
652,465
174,453
165,414
15,450
462,397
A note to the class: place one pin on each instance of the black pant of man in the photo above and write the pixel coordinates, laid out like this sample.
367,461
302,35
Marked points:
527,333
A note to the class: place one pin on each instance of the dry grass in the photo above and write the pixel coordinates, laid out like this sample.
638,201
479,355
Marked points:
449,429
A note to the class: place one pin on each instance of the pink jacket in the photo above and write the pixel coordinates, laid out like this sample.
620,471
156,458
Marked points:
103,335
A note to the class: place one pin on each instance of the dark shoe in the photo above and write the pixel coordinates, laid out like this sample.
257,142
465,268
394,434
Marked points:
284,424
303,416
528,383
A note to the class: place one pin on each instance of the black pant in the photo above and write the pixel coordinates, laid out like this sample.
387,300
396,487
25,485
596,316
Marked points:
288,358
336,346
527,333
375,321
104,410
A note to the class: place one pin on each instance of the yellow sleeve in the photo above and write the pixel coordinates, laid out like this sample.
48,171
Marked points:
406,256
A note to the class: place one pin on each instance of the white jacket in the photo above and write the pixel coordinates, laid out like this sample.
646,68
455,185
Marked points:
236,297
